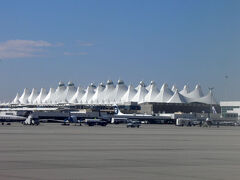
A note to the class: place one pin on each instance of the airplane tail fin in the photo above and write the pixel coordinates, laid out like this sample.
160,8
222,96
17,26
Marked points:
214,110
117,110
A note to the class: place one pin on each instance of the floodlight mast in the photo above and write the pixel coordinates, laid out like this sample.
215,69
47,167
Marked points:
210,90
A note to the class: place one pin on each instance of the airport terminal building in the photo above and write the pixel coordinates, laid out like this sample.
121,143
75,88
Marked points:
113,94
100,101
141,99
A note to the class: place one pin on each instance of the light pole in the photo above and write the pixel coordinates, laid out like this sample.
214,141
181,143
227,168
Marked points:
210,91
226,88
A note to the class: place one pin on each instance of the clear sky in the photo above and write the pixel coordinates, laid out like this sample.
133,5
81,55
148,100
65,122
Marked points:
172,41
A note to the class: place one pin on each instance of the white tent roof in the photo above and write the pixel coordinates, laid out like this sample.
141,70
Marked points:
119,91
152,93
33,96
112,95
24,97
88,94
16,99
70,91
177,98
108,92
42,95
195,94
140,95
164,95
185,90
78,95
49,99
98,96
174,88
141,83
59,94
208,99
149,86
127,97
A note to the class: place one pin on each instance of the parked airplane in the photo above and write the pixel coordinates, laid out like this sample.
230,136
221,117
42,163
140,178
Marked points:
11,118
141,117
73,120
119,113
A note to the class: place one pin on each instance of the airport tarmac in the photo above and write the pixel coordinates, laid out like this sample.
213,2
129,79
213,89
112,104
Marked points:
52,151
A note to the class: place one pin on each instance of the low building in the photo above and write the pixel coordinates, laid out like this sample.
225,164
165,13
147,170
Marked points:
156,108
230,109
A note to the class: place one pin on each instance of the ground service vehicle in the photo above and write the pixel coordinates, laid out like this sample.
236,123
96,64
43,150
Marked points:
133,124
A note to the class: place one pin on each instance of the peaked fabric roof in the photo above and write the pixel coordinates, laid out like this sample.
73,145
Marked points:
152,93
98,97
24,97
33,96
78,95
140,95
177,98
88,94
164,95
174,88
127,97
208,99
141,83
108,92
149,86
185,90
16,99
59,94
119,91
113,95
42,95
70,91
50,96
196,93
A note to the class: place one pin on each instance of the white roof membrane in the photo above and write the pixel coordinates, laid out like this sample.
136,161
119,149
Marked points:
177,98
42,95
69,92
16,99
131,92
152,93
119,91
59,94
49,99
33,96
24,97
164,95
98,97
88,94
141,83
78,95
196,93
208,99
140,95
108,92
185,91
174,88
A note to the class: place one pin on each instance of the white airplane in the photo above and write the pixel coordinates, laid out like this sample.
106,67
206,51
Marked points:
11,118
119,113
141,117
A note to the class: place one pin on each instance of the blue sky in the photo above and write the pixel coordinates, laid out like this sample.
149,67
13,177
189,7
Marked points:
172,41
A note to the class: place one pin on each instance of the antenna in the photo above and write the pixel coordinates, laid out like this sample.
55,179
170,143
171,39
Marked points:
210,88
